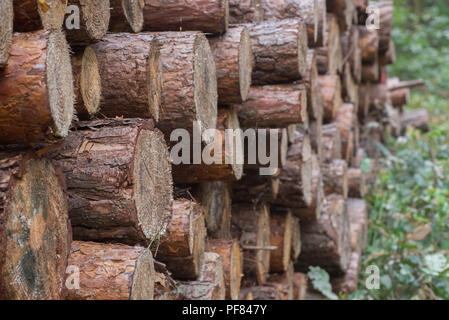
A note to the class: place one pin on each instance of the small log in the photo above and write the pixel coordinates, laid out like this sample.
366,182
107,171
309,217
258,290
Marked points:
213,271
311,83
112,272
330,91
335,177
181,248
331,143
345,120
33,15
344,10
356,183
350,90
245,11
316,136
6,29
274,106
370,72
400,98
299,286
330,57
94,22
386,23
230,252
358,219
281,237
234,62
283,282
256,188
41,61
348,283
251,225
126,15
389,56
130,69
369,43
418,119
119,180
280,50
376,96
266,292
35,232
296,239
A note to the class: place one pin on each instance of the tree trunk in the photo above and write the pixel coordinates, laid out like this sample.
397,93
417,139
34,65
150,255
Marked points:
230,252
274,106
94,18
245,11
211,16
345,120
331,143
119,181
281,238
296,239
335,178
356,183
369,43
330,57
330,91
251,225
313,16
32,15
189,83
130,69
256,188
126,15
112,272
87,83
41,61
280,50
35,230
234,62
6,29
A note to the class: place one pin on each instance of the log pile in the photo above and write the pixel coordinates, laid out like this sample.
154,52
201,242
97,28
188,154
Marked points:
189,149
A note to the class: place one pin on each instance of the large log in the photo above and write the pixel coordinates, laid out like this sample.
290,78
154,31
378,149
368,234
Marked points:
189,82
234,62
330,56
245,11
119,180
251,225
369,43
32,15
330,91
130,69
255,188
111,272
6,29
210,16
313,15
94,18
274,106
346,121
335,177
126,15
181,248
230,252
35,230
36,89
280,50
281,238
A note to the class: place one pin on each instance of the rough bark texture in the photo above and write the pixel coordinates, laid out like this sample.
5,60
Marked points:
35,230
299,286
232,257
344,10
165,288
130,69
281,238
255,188
335,177
213,271
119,180
389,56
245,11
199,290
348,283
356,183
94,18
32,15
36,89
331,143
274,106
283,282
112,272
330,57
126,15
330,91
181,248
251,225
234,62
345,120
189,82
6,28
280,50
369,43
211,16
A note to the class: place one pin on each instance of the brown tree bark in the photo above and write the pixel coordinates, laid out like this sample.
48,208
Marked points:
296,239
256,188
230,252
348,283
346,121
274,106
126,15
350,90
181,248
165,287
369,43
112,272
299,286
418,119
210,16
36,89
119,181
356,183
245,11
35,232
313,16
213,271
311,84
280,51
358,219
6,29
283,282
234,62
266,292
372,96
389,56
32,15
251,225
330,56
130,69
94,18
352,52
335,177
386,23
330,91
400,98
361,13
344,10
331,143
370,72
281,238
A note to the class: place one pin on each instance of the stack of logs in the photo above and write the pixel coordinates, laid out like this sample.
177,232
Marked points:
95,202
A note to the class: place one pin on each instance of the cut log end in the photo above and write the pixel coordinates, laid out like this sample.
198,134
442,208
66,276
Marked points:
30,16
154,80
281,237
6,28
246,63
143,278
133,11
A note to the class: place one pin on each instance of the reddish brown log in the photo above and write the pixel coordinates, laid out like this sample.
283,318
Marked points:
283,282
299,286
280,50
119,180
377,96
126,15
418,119
330,56
361,14
296,239
6,29
212,271
330,91
370,72
229,250
255,188
210,16
281,238
111,272
36,89
386,23
400,98
32,15
356,183
331,143
165,288
369,43
335,177
245,11
348,283
234,62
35,230
346,120
251,225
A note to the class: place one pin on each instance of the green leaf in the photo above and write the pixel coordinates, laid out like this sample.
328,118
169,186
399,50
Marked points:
320,281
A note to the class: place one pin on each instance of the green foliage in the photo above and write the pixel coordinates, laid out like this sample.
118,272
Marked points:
320,281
